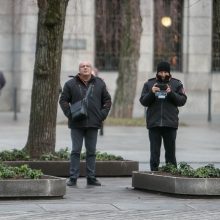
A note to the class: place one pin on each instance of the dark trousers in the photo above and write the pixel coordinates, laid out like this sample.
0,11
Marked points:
90,137
156,135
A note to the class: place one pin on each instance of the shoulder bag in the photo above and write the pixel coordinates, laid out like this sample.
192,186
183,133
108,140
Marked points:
79,110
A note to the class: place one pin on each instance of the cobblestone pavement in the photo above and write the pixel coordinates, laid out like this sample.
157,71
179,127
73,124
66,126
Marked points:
115,199
197,143
119,215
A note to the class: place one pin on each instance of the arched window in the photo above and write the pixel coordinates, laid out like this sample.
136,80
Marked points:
216,37
168,32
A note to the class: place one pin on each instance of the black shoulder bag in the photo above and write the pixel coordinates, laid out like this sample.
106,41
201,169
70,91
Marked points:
79,110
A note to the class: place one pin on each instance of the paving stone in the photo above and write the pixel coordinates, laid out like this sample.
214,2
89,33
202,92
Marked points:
116,199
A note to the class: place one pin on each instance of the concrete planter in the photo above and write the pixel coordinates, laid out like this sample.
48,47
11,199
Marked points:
175,185
47,186
61,168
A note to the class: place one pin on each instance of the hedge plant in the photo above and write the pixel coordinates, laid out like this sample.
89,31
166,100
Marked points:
14,154
184,169
7,172
62,154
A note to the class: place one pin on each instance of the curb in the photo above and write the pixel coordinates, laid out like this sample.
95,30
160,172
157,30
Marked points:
176,185
46,186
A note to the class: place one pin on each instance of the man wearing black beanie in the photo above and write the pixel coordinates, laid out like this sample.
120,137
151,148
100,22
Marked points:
162,96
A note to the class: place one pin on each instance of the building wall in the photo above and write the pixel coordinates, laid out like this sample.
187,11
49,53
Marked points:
17,49
6,47
18,19
197,51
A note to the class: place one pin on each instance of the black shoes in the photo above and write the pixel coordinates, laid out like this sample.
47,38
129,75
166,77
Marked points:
93,181
71,182
154,169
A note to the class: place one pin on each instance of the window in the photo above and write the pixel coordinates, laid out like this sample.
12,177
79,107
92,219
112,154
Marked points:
216,38
107,34
168,32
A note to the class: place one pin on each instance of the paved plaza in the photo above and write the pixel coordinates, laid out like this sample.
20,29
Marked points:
197,143
115,199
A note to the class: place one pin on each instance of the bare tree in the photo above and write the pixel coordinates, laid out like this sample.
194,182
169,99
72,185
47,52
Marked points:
46,81
130,34
217,16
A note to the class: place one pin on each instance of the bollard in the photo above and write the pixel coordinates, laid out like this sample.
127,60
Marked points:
15,103
209,105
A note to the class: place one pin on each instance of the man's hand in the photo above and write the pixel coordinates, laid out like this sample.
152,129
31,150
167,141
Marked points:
168,90
155,88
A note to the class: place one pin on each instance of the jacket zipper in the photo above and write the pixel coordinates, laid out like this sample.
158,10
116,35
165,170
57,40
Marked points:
161,114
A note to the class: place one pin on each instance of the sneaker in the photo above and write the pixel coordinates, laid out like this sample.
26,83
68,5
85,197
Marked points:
71,182
93,181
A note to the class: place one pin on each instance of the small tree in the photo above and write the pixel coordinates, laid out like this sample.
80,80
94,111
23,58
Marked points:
130,35
46,80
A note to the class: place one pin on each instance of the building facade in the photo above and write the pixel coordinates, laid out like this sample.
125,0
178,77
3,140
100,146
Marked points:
193,49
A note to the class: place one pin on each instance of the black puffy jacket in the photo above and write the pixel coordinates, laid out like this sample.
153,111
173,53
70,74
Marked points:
163,112
99,102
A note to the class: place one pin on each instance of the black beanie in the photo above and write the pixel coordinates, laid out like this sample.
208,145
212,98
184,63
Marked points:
163,66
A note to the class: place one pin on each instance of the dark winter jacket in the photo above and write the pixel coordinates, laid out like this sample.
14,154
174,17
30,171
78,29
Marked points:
163,112
99,101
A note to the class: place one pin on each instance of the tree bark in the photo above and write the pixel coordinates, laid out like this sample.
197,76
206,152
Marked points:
46,80
217,17
131,29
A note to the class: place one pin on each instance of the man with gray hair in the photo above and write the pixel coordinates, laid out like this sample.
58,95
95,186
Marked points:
99,104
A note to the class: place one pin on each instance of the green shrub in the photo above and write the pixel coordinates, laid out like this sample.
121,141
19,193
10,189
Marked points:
102,156
169,168
62,154
19,172
50,156
207,171
13,155
184,169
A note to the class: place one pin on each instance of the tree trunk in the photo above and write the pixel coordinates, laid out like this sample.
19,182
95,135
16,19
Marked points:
217,17
46,80
128,62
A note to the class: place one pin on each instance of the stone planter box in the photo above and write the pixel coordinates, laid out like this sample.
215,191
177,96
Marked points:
47,186
175,185
61,168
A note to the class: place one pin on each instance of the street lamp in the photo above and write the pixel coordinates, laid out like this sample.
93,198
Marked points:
166,21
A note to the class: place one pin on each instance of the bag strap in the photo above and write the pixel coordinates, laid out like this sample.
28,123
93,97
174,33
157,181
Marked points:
88,91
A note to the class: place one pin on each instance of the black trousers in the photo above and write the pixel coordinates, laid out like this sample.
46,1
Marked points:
156,135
